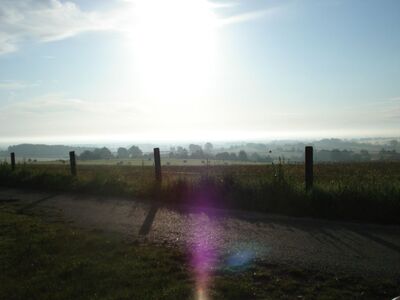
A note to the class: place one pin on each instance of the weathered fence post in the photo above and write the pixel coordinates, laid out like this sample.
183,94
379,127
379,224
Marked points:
12,154
309,167
72,162
157,164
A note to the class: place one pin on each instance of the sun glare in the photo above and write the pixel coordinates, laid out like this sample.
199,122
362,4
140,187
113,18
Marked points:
175,48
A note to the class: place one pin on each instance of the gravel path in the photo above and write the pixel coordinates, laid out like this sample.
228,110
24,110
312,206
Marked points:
233,237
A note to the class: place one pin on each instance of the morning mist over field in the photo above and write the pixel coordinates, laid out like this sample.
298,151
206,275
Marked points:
140,71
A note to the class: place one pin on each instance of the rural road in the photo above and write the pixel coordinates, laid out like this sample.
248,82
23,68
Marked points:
229,237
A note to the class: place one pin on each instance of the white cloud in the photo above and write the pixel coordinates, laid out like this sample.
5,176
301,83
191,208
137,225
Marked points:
43,21
394,99
382,111
50,105
392,109
12,85
7,43
51,20
58,114
245,17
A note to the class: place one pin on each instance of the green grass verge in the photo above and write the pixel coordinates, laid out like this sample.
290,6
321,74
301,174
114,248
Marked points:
42,260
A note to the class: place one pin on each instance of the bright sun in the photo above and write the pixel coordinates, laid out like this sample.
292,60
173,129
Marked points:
175,47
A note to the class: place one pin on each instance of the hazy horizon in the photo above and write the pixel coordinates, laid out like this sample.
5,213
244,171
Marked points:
167,143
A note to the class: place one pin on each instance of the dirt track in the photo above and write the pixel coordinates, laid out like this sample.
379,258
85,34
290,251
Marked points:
233,237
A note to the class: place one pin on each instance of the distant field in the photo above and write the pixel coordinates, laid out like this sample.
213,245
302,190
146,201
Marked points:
327,174
351,191
139,162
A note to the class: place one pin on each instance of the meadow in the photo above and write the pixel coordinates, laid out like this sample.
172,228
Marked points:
367,192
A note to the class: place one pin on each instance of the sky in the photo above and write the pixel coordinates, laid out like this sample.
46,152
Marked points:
186,70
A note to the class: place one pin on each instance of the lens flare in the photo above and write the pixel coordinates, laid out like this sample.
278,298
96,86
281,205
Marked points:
201,294
206,241
241,258
202,249
203,257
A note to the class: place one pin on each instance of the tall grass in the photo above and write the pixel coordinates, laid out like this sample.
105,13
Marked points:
357,191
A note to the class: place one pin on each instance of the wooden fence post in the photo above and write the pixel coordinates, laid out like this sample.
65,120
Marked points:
309,176
157,164
12,154
72,162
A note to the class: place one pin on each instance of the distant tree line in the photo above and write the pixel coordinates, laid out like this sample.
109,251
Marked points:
254,152
105,153
389,155
44,151
337,155
208,152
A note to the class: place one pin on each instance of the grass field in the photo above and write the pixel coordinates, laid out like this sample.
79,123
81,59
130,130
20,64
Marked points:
356,191
42,257
140,162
